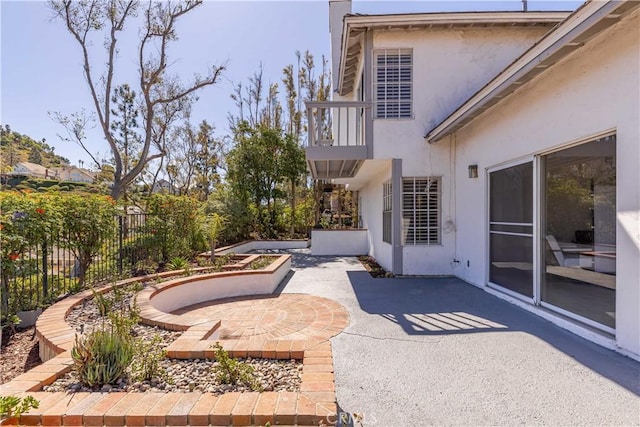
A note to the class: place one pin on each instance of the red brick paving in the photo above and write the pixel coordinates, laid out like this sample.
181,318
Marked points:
287,326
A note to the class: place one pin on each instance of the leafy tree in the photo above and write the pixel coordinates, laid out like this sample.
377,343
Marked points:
163,97
125,125
207,160
213,225
35,156
87,222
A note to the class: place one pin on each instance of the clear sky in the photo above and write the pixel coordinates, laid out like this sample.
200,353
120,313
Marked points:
41,64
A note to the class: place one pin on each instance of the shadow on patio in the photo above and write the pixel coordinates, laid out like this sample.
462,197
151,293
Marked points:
448,306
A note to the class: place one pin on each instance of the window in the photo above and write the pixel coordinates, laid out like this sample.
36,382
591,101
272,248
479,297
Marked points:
421,211
386,211
392,81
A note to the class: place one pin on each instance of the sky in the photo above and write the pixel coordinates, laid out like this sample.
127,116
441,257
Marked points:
41,68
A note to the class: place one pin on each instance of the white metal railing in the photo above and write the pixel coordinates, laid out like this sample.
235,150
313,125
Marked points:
337,123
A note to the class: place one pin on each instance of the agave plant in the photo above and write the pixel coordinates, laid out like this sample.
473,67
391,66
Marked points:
102,357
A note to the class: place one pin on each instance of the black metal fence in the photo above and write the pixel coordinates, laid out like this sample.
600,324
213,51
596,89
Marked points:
52,268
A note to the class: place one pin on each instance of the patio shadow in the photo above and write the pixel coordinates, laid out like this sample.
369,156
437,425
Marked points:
446,306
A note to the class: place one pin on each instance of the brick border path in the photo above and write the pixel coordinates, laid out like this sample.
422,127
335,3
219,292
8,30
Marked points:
315,402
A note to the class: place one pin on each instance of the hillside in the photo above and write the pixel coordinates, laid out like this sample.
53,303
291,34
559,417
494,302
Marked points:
16,147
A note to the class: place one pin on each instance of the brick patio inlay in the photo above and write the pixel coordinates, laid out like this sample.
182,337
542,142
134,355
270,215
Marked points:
274,317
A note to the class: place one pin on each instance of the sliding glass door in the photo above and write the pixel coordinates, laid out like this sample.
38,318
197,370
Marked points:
579,230
511,228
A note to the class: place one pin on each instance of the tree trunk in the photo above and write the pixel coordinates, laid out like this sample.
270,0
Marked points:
293,208
213,251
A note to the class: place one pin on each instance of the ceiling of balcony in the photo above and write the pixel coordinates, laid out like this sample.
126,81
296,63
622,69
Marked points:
330,169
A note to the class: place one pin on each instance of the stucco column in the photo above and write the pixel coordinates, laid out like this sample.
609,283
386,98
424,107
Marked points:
396,216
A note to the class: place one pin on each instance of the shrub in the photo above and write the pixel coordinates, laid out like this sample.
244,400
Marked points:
12,406
173,222
147,360
102,357
86,223
233,371
178,263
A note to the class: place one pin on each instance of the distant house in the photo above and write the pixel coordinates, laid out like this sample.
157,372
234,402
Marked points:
33,170
162,186
75,174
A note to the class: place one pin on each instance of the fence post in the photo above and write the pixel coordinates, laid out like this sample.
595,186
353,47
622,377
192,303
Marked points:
45,275
120,238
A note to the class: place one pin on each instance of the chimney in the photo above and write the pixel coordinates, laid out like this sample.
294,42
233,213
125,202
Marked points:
337,10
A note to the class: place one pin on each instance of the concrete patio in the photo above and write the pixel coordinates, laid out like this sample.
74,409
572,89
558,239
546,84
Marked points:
422,351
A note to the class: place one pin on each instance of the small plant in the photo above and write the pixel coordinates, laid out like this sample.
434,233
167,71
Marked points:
222,260
178,263
233,371
103,303
147,360
260,263
14,407
125,319
102,357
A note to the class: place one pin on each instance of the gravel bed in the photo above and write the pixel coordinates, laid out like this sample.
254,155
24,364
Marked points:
86,317
181,375
196,375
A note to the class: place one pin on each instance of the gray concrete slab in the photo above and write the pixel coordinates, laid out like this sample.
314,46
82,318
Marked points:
441,352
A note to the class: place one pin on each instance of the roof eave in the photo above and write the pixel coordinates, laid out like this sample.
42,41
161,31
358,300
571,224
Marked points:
582,25
354,25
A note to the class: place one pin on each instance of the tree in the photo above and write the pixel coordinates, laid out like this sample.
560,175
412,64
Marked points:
35,156
207,160
162,96
213,225
125,125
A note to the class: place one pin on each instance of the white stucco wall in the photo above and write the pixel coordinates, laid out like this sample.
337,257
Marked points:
448,67
371,211
339,242
217,286
593,91
258,245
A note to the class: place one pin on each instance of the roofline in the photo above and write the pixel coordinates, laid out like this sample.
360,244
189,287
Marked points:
587,21
401,19
357,24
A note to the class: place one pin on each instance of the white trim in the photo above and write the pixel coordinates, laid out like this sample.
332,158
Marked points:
509,233
577,317
515,224
571,326
354,25
509,292
579,141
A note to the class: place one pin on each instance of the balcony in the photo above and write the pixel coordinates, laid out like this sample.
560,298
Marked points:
339,138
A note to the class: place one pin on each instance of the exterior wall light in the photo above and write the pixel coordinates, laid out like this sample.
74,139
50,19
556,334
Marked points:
473,171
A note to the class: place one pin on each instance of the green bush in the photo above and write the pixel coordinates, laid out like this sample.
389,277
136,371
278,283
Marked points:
147,360
12,406
233,371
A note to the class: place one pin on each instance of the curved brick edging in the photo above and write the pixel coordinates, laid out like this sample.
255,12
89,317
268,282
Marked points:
56,336
175,294
314,404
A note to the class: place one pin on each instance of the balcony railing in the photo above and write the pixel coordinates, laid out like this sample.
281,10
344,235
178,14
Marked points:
337,124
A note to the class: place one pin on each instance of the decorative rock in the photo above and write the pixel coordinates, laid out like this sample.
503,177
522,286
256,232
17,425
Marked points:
180,375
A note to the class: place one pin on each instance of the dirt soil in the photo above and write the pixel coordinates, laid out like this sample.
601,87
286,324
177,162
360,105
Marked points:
372,266
18,354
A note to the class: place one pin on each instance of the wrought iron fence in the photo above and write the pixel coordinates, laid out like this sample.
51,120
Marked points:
50,269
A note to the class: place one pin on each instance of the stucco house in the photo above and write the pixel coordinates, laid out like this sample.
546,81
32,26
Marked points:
72,173
499,147
76,174
33,170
